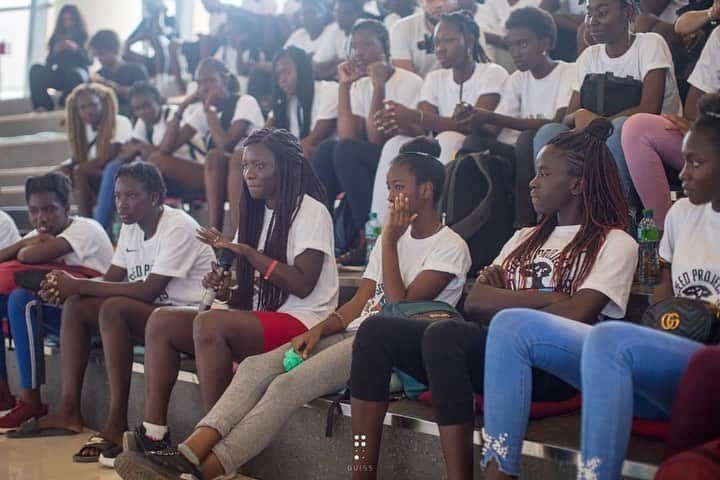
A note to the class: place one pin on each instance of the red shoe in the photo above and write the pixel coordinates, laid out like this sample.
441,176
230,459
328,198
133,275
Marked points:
6,406
19,415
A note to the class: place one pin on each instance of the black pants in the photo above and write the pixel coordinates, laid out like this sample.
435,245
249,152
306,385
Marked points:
447,355
522,157
64,80
348,166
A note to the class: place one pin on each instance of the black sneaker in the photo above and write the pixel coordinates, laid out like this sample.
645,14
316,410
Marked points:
138,466
138,441
173,460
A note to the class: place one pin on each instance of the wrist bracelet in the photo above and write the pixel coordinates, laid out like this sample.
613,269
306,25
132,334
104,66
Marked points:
337,315
270,269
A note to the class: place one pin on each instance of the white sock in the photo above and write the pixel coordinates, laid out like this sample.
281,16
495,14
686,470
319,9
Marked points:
155,432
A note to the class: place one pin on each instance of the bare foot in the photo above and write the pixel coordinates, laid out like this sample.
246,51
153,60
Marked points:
61,420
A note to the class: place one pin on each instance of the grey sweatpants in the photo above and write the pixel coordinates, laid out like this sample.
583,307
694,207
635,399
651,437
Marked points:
262,397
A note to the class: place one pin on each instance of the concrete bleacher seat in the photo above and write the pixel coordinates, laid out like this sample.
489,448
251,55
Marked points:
31,123
410,449
14,106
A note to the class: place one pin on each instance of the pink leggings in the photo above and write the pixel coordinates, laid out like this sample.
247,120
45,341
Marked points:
647,145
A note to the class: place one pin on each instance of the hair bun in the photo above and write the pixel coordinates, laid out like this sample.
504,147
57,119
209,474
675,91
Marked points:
709,104
426,145
600,128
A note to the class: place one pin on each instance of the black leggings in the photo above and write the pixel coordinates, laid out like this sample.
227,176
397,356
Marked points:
348,166
447,355
63,79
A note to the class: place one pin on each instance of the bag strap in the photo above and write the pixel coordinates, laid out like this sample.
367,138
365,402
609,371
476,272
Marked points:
335,409
601,87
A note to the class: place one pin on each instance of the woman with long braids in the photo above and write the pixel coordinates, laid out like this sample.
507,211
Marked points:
578,262
287,282
97,133
416,259
466,80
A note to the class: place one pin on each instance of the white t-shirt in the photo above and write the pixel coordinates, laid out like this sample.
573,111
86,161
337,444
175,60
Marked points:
392,18
91,247
612,274
648,52
690,244
334,45
402,87
8,231
324,106
312,229
301,38
525,96
247,108
445,251
140,131
123,132
492,15
404,37
439,88
173,251
706,74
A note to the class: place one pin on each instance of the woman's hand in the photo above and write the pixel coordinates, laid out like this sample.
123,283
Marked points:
398,220
678,123
493,276
396,117
463,110
57,287
217,279
215,239
348,72
305,343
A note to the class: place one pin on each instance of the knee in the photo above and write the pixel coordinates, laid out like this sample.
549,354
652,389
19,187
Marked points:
372,331
704,361
440,337
74,310
112,313
512,322
602,341
159,323
216,160
205,329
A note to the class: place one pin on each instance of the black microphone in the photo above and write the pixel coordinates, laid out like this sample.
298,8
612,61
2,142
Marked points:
224,263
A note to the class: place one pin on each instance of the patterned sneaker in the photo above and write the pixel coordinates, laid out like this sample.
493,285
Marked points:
138,441
19,415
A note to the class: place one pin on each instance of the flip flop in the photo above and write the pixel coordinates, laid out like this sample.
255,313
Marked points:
31,429
97,443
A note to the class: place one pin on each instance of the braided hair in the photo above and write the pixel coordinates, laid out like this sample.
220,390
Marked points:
79,145
604,204
294,179
708,120
420,156
215,66
375,27
466,25
305,91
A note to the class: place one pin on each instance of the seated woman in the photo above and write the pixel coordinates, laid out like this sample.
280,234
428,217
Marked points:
651,142
153,116
467,79
96,133
287,282
628,369
348,165
578,262
416,258
158,261
222,117
644,57
315,20
67,61
537,93
153,36
57,238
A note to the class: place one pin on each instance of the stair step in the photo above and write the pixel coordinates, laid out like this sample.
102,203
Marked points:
39,150
15,106
31,123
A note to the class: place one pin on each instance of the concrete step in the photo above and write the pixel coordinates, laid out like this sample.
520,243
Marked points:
17,176
38,150
31,123
15,106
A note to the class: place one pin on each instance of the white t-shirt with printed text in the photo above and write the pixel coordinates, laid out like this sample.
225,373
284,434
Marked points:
91,247
611,274
440,89
648,52
402,87
706,74
173,251
690,245
445,251
324,106
525,96
8,230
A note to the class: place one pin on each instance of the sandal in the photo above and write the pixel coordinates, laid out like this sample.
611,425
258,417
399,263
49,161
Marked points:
96,444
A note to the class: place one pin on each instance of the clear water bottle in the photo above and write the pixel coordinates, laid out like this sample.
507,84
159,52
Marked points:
648,238
372,232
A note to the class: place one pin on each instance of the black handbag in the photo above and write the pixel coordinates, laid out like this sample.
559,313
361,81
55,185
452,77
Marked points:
693,319
607,95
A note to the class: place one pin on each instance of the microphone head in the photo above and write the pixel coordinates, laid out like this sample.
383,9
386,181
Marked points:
225,258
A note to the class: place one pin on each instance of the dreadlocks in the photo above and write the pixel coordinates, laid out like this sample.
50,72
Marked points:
305,91
466,25
79,145
294,178
605,208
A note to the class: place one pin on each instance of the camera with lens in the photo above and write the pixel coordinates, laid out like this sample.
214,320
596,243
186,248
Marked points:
427,44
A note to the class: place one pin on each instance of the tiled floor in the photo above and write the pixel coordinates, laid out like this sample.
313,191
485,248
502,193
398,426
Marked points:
48,458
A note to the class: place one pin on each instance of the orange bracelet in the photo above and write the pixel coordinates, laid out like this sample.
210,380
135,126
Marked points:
270,269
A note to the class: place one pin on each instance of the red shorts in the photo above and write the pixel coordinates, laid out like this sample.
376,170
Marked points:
279,328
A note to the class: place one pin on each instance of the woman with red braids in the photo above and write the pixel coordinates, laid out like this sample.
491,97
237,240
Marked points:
577,263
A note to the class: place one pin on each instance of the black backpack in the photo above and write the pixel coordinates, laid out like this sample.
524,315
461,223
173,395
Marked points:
478,203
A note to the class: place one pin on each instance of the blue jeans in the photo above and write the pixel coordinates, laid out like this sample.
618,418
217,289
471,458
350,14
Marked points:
551,130
105,208
28,333
624,375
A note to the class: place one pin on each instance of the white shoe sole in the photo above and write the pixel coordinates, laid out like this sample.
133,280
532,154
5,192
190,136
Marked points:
106,462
